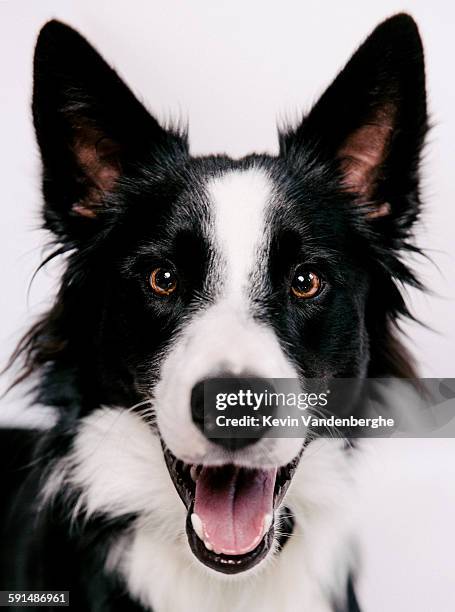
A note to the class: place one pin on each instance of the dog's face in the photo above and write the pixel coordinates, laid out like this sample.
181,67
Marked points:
184,269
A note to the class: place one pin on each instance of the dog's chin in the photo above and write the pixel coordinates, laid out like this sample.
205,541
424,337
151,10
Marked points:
231,510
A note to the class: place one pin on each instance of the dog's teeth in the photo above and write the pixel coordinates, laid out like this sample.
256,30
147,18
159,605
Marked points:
197,526
194,472
268,518
208,545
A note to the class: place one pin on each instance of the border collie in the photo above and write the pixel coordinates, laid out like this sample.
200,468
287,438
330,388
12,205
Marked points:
179,269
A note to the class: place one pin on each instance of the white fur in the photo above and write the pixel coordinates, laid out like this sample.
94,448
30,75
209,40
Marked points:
225,336
118,464
240,200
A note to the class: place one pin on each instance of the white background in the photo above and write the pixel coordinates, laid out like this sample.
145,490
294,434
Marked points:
232,69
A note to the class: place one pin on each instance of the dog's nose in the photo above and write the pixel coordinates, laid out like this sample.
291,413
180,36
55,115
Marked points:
244,398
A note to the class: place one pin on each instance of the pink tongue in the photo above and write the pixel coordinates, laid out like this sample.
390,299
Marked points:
232,504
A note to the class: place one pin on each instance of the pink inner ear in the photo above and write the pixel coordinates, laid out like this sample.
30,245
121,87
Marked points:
97,157
363,154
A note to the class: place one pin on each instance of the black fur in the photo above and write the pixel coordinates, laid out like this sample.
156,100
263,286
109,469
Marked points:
94,345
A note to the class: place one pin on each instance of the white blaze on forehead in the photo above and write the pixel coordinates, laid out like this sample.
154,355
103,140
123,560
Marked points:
239,199
224,337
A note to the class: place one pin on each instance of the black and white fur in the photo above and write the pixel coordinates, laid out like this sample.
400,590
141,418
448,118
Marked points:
90,504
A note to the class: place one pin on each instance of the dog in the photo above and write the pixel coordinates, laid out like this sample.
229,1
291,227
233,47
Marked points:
182,269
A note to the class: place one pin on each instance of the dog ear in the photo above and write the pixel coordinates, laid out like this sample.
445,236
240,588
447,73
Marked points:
90,129
372,121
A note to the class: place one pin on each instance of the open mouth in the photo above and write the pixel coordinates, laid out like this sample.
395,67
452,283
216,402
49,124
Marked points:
231,510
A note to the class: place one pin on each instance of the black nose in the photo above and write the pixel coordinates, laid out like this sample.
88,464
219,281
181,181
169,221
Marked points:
205,409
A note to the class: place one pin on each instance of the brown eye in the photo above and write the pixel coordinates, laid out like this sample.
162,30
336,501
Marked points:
305,284
163,281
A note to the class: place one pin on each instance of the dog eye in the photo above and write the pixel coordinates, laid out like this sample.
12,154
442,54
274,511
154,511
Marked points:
163,281
305,283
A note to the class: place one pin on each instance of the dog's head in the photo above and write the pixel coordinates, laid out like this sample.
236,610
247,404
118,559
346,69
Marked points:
181,269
